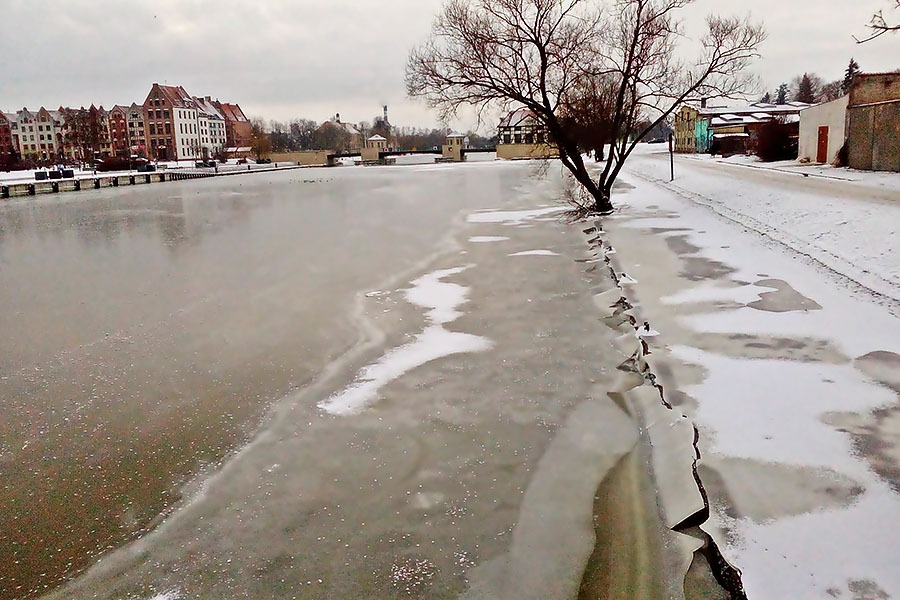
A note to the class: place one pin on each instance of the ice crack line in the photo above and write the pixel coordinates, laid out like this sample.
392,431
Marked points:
681,496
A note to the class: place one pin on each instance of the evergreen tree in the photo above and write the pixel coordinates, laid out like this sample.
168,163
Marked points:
767,98
781,94
852,70
805,91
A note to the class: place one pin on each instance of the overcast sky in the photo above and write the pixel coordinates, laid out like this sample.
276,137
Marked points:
313,58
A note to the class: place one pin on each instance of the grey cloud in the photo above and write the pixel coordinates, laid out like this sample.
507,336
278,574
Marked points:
290,58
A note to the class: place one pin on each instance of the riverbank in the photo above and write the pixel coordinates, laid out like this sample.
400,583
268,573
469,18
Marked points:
787,366
15,188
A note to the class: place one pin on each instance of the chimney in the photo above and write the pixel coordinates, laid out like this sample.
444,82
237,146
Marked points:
702,102
337,117
385,114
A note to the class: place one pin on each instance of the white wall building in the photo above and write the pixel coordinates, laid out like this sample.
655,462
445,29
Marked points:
823,131
211,127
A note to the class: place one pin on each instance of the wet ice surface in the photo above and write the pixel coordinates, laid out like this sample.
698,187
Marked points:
169,348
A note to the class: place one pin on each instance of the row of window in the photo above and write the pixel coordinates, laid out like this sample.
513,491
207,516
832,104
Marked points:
528,138
160,129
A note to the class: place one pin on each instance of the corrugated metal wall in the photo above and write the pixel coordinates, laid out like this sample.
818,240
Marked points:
873,137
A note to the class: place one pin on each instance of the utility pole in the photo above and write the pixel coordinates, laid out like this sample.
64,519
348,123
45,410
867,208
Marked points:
671,157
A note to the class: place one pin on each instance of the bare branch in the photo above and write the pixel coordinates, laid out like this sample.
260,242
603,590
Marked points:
879,26
588,75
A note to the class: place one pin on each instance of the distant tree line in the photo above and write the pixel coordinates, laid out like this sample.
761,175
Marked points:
813,89
302,134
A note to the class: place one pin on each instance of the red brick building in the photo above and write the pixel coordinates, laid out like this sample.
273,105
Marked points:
170,116
118,131
8,152
237,125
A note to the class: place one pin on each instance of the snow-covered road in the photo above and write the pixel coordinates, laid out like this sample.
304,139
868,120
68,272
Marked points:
850,227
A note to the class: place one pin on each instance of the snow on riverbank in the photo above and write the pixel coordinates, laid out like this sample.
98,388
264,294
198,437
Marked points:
852,227
785,371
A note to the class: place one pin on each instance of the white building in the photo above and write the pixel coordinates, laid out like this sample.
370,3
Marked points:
210,126
823,131
37,135
186,129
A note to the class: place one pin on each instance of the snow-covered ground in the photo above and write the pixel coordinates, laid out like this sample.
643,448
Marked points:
775,299
849,224
871,178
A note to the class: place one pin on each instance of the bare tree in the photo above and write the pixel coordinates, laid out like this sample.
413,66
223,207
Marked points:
879,25
260,143
586,114
534,53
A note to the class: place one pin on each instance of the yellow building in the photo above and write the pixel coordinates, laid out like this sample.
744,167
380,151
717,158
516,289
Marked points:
685,127
375,145
521,135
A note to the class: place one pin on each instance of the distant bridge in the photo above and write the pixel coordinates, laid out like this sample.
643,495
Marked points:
384,154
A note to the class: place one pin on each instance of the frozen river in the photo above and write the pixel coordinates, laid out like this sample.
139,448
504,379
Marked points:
338,383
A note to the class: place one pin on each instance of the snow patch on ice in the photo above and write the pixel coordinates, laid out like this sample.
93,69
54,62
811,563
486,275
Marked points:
441,297
482,239
535,253
511,217
433,343
170,595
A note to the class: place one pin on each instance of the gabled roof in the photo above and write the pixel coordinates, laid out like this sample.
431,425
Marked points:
231,112
175,95
518,117
348,127
377,138
208,109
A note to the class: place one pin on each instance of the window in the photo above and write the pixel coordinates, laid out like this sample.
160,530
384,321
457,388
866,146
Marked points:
166,113
152,129
168,128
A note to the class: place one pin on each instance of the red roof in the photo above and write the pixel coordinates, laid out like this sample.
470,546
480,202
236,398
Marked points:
232,112
177,96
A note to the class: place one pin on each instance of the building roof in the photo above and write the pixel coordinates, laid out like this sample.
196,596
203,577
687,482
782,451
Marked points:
208,109
377,138
755,108
456,134
348,127
231,112
518,117
176,95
